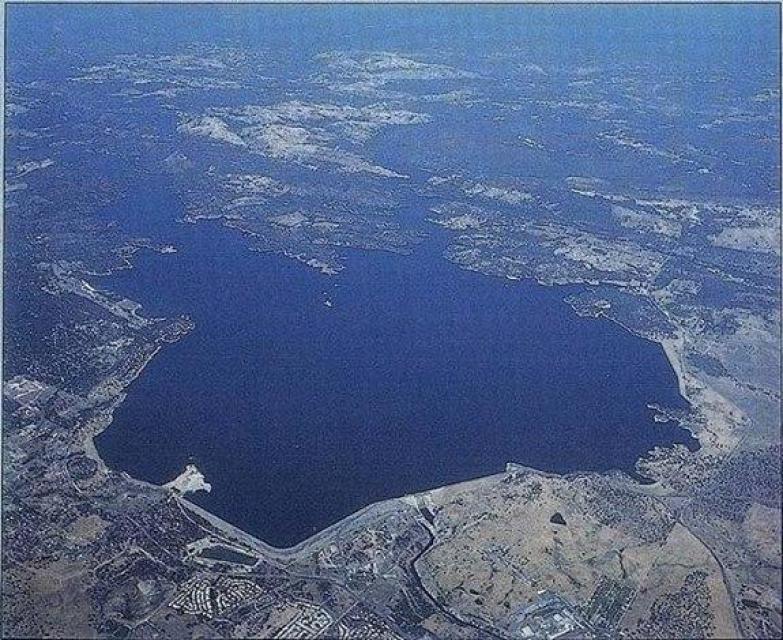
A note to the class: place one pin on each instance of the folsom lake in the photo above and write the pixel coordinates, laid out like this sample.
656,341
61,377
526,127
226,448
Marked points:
304,397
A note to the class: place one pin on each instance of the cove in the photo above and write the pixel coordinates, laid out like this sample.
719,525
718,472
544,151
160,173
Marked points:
419,374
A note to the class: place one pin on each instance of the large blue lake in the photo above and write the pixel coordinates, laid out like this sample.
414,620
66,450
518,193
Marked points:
419,374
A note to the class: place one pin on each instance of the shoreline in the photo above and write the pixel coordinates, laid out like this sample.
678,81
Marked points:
671,347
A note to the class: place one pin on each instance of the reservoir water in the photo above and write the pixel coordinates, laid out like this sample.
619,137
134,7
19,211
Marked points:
415,375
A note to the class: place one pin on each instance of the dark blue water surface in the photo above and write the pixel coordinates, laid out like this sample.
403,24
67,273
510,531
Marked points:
421,374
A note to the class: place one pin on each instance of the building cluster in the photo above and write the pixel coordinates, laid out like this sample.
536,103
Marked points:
210,598
550,617
309,621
